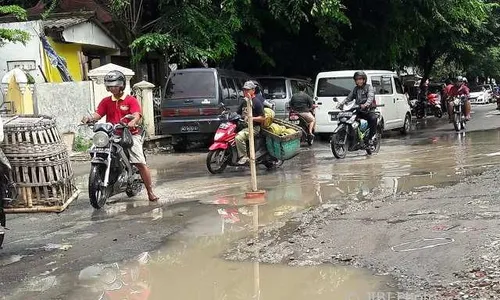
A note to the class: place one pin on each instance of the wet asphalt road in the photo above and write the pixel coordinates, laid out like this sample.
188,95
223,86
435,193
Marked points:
44,254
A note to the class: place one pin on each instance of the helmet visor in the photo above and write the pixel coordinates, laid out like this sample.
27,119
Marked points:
114,83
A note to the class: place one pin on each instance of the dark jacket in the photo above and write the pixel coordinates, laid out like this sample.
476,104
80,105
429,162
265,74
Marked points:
301,102
362,95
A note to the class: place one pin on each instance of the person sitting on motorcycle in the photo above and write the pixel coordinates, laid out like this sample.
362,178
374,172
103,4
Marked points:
115,108
303,104
364,95
260,96
258,119
454,90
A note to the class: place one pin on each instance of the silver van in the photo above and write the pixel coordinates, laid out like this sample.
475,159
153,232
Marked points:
280,90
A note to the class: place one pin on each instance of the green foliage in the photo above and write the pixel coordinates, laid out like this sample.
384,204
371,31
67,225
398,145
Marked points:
205,33
306,36
13,35
81,144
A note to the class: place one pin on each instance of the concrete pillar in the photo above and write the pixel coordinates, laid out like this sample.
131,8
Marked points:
144,93
97,76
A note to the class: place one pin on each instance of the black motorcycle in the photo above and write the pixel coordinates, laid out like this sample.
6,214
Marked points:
111,172
458,113
351,134
8,191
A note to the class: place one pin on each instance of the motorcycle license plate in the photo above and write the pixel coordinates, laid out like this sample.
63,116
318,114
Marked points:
190,128
334,116
101,150
295,122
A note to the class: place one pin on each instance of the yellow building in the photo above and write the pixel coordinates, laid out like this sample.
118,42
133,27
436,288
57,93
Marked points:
77,38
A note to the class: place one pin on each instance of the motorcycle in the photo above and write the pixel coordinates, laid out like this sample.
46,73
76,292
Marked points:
295,118
351,133
8,191
497,98
223,153
434,104
111,172
430,106
458,113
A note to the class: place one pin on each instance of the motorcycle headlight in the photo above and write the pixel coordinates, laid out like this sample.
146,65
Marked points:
456,101
100,139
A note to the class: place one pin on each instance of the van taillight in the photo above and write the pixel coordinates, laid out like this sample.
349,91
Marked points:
187,112
169,112
210,111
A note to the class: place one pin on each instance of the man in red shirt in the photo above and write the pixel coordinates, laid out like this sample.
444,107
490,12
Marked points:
454,90
115,108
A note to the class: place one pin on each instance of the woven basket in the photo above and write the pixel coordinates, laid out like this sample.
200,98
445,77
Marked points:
40,164
283,147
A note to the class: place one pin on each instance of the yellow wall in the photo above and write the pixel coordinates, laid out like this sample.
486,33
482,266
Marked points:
22,102
70,53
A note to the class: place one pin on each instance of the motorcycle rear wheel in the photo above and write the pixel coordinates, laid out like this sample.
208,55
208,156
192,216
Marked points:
310,140
222,162
98,194
136,187
376,144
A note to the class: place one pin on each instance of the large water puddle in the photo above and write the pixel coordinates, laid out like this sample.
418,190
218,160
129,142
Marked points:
190,267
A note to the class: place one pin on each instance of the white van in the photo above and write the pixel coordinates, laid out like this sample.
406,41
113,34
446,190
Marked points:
331,87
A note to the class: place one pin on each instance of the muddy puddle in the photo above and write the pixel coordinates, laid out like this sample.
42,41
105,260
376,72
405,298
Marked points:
190,266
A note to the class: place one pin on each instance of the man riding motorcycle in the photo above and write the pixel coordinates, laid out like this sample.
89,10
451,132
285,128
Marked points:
303,104
458,88
258,119
364,95
114,108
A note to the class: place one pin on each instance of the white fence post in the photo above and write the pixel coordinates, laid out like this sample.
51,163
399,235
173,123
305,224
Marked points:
145,96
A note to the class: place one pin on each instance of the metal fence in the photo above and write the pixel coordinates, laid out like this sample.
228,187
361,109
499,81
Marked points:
157,91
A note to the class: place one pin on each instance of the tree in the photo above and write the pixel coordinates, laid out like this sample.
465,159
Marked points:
13,35
443,28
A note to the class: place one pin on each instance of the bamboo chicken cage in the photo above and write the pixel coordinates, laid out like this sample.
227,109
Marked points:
41,167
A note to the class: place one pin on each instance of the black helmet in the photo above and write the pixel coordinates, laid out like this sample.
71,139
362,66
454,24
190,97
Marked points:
115,78
360,74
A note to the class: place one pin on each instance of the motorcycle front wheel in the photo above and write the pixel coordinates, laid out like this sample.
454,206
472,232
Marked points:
339,143
217,160
2,225
98,194
457,122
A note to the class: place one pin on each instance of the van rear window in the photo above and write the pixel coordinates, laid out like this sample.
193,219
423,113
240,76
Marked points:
273,88
183,85
335,87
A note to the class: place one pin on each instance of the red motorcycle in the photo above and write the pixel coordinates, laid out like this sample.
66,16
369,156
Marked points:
223,151
434,102
295,118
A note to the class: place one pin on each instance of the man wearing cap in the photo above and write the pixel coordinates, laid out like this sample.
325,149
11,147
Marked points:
258,119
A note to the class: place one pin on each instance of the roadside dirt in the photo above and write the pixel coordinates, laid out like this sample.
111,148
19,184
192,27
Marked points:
443,242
